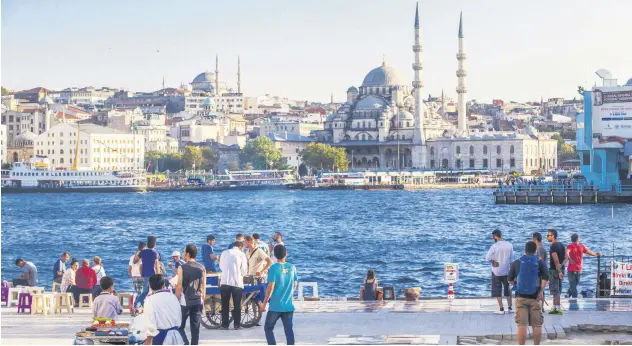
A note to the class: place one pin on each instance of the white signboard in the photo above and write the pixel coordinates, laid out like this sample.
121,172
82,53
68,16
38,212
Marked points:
621,279
611,115
450,272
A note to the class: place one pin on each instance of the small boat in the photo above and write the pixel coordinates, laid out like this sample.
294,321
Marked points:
258,180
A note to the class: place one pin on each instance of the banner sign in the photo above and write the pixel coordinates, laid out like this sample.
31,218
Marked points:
621,279
450,272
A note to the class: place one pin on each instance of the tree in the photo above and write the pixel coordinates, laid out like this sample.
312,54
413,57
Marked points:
210,158
325,157
192,157
4,91
233,166
261,153
161,162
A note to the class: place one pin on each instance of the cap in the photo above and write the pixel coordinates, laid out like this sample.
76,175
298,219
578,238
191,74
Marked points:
175,253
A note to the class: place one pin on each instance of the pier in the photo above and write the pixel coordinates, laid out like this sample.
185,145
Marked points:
563,194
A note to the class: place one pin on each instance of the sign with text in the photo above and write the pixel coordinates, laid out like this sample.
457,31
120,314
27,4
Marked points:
621,279
612,116
450,272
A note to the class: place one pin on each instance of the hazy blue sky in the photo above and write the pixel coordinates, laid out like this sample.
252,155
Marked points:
309,49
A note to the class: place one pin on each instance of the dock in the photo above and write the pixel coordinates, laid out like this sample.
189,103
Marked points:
556,194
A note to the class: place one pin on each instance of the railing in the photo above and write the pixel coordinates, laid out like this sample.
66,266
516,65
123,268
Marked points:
604,273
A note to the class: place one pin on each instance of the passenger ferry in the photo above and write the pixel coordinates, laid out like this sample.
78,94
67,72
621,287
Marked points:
35,176
258,179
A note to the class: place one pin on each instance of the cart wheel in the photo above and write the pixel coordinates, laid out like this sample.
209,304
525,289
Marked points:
251,314
212,317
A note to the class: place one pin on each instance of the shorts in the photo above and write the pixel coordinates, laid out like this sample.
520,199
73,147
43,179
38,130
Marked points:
138,284
528,312
500,285
555,284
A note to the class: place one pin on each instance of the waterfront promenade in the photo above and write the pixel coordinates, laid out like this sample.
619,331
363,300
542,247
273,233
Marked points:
386,322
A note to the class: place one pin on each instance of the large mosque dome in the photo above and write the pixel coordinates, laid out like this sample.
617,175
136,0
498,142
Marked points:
383,75
629,83
205,77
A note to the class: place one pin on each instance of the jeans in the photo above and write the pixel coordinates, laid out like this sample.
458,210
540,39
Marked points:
20,282
271,320
140,300
77,291
194,313
227,292
573,280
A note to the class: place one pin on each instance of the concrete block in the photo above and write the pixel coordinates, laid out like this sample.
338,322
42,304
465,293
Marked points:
574,328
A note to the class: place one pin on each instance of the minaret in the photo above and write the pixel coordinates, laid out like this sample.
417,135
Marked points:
238,75
419,142
217,74
443,112
461,89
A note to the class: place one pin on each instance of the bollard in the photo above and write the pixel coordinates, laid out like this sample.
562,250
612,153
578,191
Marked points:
451,292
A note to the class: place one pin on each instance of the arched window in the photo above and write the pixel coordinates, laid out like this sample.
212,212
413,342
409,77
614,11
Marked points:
408,124
471,150
61,151
403,137
363,138
484,150
432,151
511,149
458,150
498,150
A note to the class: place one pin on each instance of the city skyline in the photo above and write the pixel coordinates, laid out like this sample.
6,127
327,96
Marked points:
308,51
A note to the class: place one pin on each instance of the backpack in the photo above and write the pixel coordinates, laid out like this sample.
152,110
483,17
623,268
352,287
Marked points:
528,276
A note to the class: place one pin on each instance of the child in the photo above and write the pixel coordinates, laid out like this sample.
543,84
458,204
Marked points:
106,305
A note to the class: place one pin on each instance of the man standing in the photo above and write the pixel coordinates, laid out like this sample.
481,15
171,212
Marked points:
238,238
234,266
133,269
60,267
260,244
191,288
177,262
536,237
575,254
163,314
208,256
258,261
556,270
85,278
29,276
282,280
278,240
500,255
149,266
529,275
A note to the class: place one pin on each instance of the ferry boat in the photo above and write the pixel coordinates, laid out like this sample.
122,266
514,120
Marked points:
258,179
35,176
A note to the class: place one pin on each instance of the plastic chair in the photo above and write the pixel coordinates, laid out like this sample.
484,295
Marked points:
56,287
5,295
14,294
64,300
50,301
40,304
126,300
25,301
389,292
82,300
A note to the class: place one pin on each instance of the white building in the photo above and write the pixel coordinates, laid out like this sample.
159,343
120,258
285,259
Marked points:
99,148
156,134
87,96
120,119
300,128
3,144
291,146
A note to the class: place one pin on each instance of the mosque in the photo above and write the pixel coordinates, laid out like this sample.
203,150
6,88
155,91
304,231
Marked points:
385,124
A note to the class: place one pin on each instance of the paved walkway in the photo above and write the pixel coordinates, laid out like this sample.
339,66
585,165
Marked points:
430,321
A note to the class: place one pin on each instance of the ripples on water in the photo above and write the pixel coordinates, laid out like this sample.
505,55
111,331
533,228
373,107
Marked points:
333,237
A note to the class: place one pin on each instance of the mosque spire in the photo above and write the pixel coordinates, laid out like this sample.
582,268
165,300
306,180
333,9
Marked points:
383,60
461,89
419,141
238,75
216,74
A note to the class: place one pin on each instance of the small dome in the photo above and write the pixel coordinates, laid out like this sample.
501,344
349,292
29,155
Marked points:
23,137
205,77
352,90
209,102
629,83
383,76
332,117
371,103
403,116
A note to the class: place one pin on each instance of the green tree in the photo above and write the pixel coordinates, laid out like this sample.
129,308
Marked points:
210,158
161,162
261,153
4,91
192,157
325,157
233,166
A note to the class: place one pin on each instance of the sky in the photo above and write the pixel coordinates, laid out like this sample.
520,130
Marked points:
307,50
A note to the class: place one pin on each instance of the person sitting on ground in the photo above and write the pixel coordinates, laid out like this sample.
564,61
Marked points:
162,315
97,266
68,280
106,305
369,290
29,278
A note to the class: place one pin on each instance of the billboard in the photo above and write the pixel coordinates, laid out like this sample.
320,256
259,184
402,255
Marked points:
611,116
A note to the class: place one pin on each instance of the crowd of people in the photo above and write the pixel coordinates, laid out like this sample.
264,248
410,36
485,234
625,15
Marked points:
530,274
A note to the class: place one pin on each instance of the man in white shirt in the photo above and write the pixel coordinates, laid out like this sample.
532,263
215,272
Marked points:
258,261
162,314
234,266
133,269
500,255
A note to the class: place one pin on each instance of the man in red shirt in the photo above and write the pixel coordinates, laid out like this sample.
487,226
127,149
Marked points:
575,253
85,278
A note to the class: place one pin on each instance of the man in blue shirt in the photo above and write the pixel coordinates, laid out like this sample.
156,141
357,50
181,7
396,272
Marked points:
282,280
149,266
208,255
60,267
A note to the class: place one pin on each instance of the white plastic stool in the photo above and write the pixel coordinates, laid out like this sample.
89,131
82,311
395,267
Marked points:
49,299
313,285
40,305
56,287
14,293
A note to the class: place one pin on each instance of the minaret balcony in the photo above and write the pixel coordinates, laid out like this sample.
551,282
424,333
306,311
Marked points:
461,56
461,73
461,90
418,66
418,84
417,48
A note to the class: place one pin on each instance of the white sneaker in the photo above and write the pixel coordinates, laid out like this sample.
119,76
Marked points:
499,312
